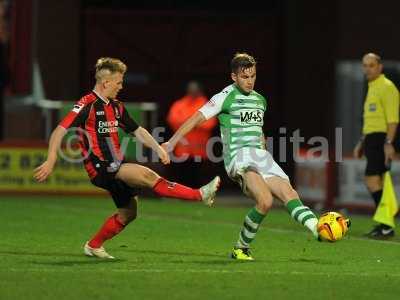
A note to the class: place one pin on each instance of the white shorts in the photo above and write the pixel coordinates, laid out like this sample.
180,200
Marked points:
258,160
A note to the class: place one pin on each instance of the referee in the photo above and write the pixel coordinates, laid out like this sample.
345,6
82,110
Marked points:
381,117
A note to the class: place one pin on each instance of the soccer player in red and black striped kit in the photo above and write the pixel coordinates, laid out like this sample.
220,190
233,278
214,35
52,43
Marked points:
98,116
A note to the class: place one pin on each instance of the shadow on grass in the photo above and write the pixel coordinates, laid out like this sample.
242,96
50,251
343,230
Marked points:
219,259
68,263
361,236
314,261
73,263
227,260
178,253
213,262
28,253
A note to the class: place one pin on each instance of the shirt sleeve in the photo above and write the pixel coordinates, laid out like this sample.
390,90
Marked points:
214,106
127,123
77,116
390,103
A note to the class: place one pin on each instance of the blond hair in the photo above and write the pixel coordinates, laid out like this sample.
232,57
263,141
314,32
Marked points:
106,66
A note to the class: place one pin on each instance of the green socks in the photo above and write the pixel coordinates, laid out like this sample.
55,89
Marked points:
249,229
303,215
252,222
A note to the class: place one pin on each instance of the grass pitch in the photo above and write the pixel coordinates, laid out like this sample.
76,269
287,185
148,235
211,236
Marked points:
178,250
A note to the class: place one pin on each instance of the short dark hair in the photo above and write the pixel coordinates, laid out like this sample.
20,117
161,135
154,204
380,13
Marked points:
242,61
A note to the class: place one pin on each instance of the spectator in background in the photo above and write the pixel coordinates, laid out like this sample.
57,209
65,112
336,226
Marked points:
3,63
381,117
194,146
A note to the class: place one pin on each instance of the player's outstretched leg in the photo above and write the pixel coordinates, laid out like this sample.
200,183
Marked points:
111,227
282,189
208,191
137,175
303,215
258,190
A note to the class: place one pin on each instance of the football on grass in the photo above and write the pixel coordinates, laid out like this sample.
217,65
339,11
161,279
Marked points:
332,226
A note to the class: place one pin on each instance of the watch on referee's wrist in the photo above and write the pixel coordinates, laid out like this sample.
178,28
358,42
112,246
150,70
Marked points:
388,142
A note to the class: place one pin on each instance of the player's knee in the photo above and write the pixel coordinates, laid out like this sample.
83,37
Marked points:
286,192
290,193
127,218
264,204
264,207
130,218
150,177
373,184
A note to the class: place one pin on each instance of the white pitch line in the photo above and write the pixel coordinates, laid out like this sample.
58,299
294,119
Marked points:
200,271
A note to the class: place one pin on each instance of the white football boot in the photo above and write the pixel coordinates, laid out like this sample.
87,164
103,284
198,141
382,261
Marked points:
96,252
209,190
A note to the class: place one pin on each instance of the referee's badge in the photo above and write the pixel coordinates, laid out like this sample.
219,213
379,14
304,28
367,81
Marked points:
372,107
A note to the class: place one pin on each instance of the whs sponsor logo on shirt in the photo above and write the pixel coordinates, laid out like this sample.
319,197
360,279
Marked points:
252,116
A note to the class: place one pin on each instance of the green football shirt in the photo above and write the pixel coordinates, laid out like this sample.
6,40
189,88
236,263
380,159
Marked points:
241,119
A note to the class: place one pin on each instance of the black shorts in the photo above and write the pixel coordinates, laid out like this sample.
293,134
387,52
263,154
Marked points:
373,150
121,193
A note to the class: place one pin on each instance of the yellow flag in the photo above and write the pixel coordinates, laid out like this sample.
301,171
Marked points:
388,206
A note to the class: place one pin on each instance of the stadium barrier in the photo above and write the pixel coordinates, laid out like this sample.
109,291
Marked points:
330,185
351,188
17,162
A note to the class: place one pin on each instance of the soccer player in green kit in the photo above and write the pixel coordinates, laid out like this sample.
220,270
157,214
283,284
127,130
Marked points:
240,111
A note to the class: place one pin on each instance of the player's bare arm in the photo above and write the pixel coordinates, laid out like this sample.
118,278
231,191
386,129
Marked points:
45,169
186,127
388,148
147,139
359,148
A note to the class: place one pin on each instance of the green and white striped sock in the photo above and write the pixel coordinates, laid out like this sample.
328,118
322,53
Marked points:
303,215
250,226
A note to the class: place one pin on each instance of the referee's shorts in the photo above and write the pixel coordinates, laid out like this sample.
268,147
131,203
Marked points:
373,150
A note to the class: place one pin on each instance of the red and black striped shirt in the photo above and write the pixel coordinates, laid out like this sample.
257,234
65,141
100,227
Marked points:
98,122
